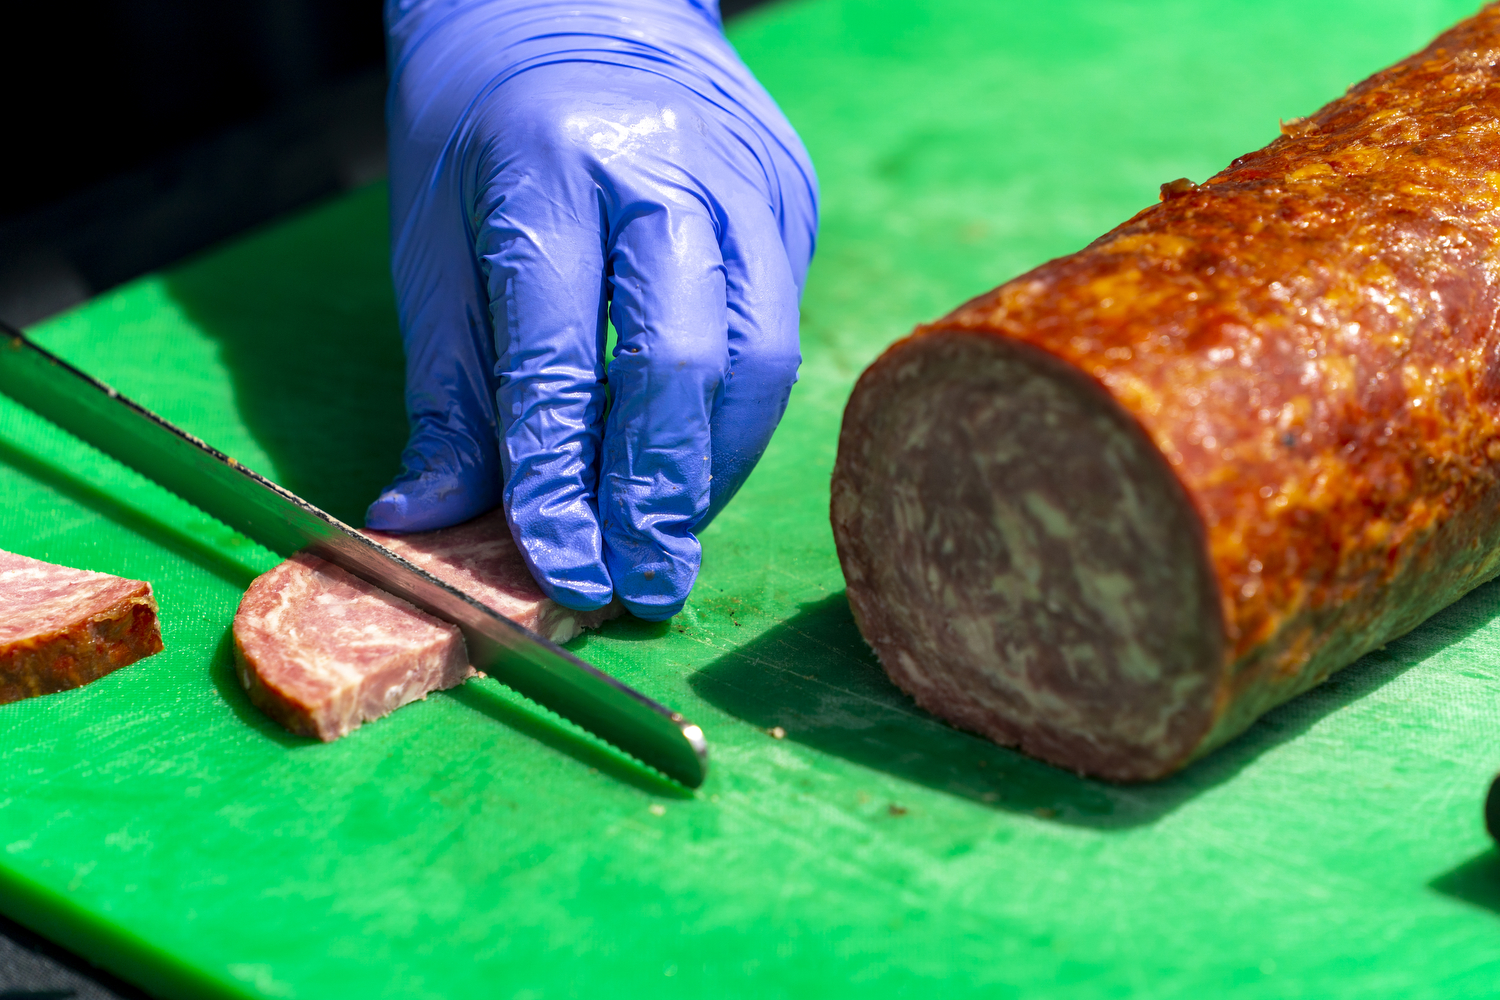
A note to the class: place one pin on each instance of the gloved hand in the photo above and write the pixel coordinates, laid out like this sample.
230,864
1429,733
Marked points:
554,162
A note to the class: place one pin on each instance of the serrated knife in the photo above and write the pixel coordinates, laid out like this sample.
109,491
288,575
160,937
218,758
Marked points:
285,523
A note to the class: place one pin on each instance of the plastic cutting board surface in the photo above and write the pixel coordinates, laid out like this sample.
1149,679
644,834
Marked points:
473,846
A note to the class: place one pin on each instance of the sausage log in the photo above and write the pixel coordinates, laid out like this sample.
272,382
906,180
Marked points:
1119,507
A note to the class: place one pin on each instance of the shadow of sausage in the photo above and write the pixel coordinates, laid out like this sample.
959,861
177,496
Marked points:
1476,881
814,677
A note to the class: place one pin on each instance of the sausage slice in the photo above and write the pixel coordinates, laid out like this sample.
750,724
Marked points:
61,628
322,651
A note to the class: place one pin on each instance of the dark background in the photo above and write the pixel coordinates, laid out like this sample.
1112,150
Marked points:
140,131
104,86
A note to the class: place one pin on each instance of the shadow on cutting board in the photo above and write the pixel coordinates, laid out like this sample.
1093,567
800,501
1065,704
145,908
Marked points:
86,494
1476,881
488,698
306,325
815,677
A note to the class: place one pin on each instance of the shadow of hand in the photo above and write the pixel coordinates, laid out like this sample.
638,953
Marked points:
306,325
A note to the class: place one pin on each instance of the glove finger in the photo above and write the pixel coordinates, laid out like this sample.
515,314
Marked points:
450,469
669,311
541,250
761,292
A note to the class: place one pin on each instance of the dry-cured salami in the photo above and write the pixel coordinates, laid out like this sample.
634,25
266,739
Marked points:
1119,507
322,652
61,628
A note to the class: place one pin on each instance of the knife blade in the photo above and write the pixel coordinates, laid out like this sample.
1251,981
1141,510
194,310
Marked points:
285,523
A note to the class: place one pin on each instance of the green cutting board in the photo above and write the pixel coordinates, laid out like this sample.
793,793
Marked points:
473,846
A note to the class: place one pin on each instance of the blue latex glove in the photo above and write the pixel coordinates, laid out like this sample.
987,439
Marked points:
553,163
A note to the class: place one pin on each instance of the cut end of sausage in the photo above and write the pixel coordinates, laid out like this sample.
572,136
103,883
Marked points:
1022,559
